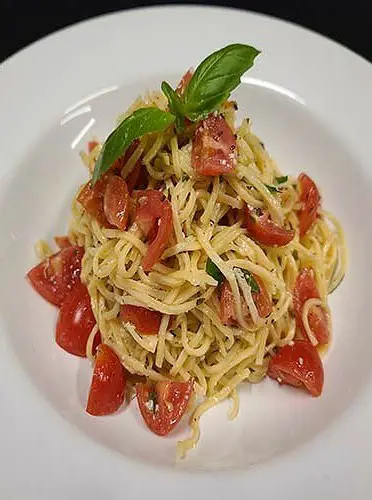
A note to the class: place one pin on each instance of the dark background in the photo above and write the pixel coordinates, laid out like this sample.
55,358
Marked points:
24,21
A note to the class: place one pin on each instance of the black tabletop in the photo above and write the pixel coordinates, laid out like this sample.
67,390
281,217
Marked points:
24,21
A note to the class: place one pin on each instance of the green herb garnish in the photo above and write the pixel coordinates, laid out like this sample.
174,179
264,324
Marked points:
272,188
141,122
214,271
213,81
250,280
211,84
281,180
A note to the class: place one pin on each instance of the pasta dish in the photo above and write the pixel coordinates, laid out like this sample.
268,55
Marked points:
192,264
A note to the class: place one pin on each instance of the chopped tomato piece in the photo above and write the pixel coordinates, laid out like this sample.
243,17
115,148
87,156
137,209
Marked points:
149,207
214,149
260,298
181,87
91,198
305,289
137,177
261,228
92,145
107,390
228,316
163,404
298,365
116,202
75,321
154,217
145,321
310,199
55,277
62,241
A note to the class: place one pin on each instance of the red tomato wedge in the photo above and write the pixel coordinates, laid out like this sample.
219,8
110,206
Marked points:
213,147
153,211
145,321
298,365
55,277
262,229
227,304
148,206
261,300
116,202
181,87
107,390
310,199
91,198
163,404
137,177
92,145
305,289
62,241
75,321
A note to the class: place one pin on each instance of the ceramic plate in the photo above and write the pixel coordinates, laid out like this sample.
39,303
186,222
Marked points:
310,101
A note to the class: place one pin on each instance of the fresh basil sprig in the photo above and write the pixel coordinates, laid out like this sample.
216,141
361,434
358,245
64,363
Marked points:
211,84
214,271
176,106
141,122
213,81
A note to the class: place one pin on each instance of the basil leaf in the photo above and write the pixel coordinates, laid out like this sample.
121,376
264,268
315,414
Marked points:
175,105
213,271
272,189
141,122
215,78
250,280
281,180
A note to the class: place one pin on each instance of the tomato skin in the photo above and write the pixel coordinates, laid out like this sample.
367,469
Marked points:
169,404
214,150
298,365
55,277
92,145
107,390
62,241
227,308
305,289
91,198
310,199
116,202
159,244
146,322
148,205
75,321
136,177
185,80
154,217
261,300
262,229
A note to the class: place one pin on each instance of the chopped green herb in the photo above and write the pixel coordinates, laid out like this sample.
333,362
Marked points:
272,189
281,180
295,254
250,280
213,271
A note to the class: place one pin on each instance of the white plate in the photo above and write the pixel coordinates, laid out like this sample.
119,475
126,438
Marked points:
310,102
